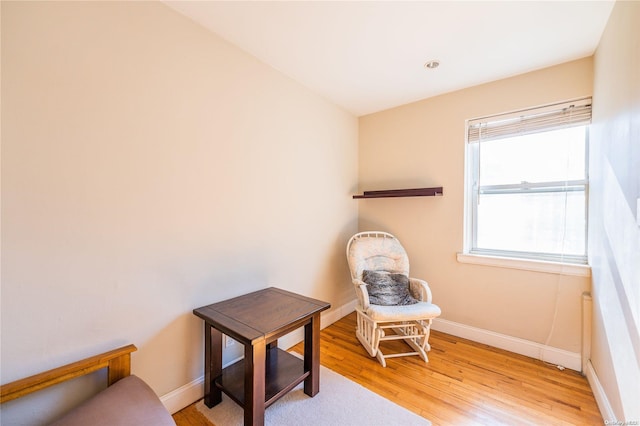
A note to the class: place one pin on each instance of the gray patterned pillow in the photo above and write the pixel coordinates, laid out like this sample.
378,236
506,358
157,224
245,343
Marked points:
387,289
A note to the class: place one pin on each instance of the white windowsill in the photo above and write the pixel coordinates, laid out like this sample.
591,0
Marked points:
526,264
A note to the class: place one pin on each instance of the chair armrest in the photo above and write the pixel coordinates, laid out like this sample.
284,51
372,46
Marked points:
420,289
361,293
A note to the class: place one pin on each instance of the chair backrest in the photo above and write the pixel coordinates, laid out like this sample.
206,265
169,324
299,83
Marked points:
376,251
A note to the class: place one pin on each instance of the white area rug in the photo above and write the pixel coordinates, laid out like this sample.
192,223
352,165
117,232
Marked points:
340,402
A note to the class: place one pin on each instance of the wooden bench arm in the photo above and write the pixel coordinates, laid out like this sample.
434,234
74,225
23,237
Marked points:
117,361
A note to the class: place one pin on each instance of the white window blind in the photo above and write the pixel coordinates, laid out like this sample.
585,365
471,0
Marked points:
534,120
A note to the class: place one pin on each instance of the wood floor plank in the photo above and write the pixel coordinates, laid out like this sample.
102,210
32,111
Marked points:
464,383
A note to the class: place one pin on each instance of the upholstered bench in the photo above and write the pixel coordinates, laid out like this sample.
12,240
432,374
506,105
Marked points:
127,400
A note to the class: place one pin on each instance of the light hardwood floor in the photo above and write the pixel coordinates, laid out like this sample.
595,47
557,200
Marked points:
464,383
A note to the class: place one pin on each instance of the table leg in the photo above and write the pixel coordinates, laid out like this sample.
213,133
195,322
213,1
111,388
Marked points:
272,345
312,355
212,365
254,383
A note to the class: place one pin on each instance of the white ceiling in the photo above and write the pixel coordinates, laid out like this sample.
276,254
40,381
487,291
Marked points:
369,56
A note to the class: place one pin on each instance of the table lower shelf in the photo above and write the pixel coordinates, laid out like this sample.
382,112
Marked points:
283,372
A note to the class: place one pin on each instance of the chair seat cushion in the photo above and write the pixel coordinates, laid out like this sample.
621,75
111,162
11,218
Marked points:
420,310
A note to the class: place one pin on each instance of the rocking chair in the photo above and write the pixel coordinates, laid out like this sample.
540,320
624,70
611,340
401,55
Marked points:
379,255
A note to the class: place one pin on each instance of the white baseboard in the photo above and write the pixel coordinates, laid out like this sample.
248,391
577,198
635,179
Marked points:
337,313
186,395
601,397
528,348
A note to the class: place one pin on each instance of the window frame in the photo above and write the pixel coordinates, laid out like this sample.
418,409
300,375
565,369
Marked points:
472,166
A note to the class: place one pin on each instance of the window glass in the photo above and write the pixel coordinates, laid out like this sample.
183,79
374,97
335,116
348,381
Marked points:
548,156
552,222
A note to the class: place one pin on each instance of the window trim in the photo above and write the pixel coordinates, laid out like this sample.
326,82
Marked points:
560,268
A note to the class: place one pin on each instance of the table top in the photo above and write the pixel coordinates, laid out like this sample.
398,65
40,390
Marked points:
256,315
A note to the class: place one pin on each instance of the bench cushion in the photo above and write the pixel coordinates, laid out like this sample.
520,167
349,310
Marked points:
128,402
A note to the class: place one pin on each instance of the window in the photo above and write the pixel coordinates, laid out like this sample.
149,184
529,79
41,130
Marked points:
527,183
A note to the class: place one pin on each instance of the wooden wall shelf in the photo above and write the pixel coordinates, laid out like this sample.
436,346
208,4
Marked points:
390,193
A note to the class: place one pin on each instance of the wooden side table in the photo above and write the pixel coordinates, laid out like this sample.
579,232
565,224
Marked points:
266,373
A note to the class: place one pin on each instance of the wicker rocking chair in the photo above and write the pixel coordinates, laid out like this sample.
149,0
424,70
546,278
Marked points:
382,252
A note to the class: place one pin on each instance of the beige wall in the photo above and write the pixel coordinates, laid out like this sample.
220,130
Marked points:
614,237
423,144
149,168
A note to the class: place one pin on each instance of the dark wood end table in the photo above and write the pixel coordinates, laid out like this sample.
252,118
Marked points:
266,373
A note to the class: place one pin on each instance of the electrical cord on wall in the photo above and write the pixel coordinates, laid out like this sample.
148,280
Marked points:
553,326
559,276
557,296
